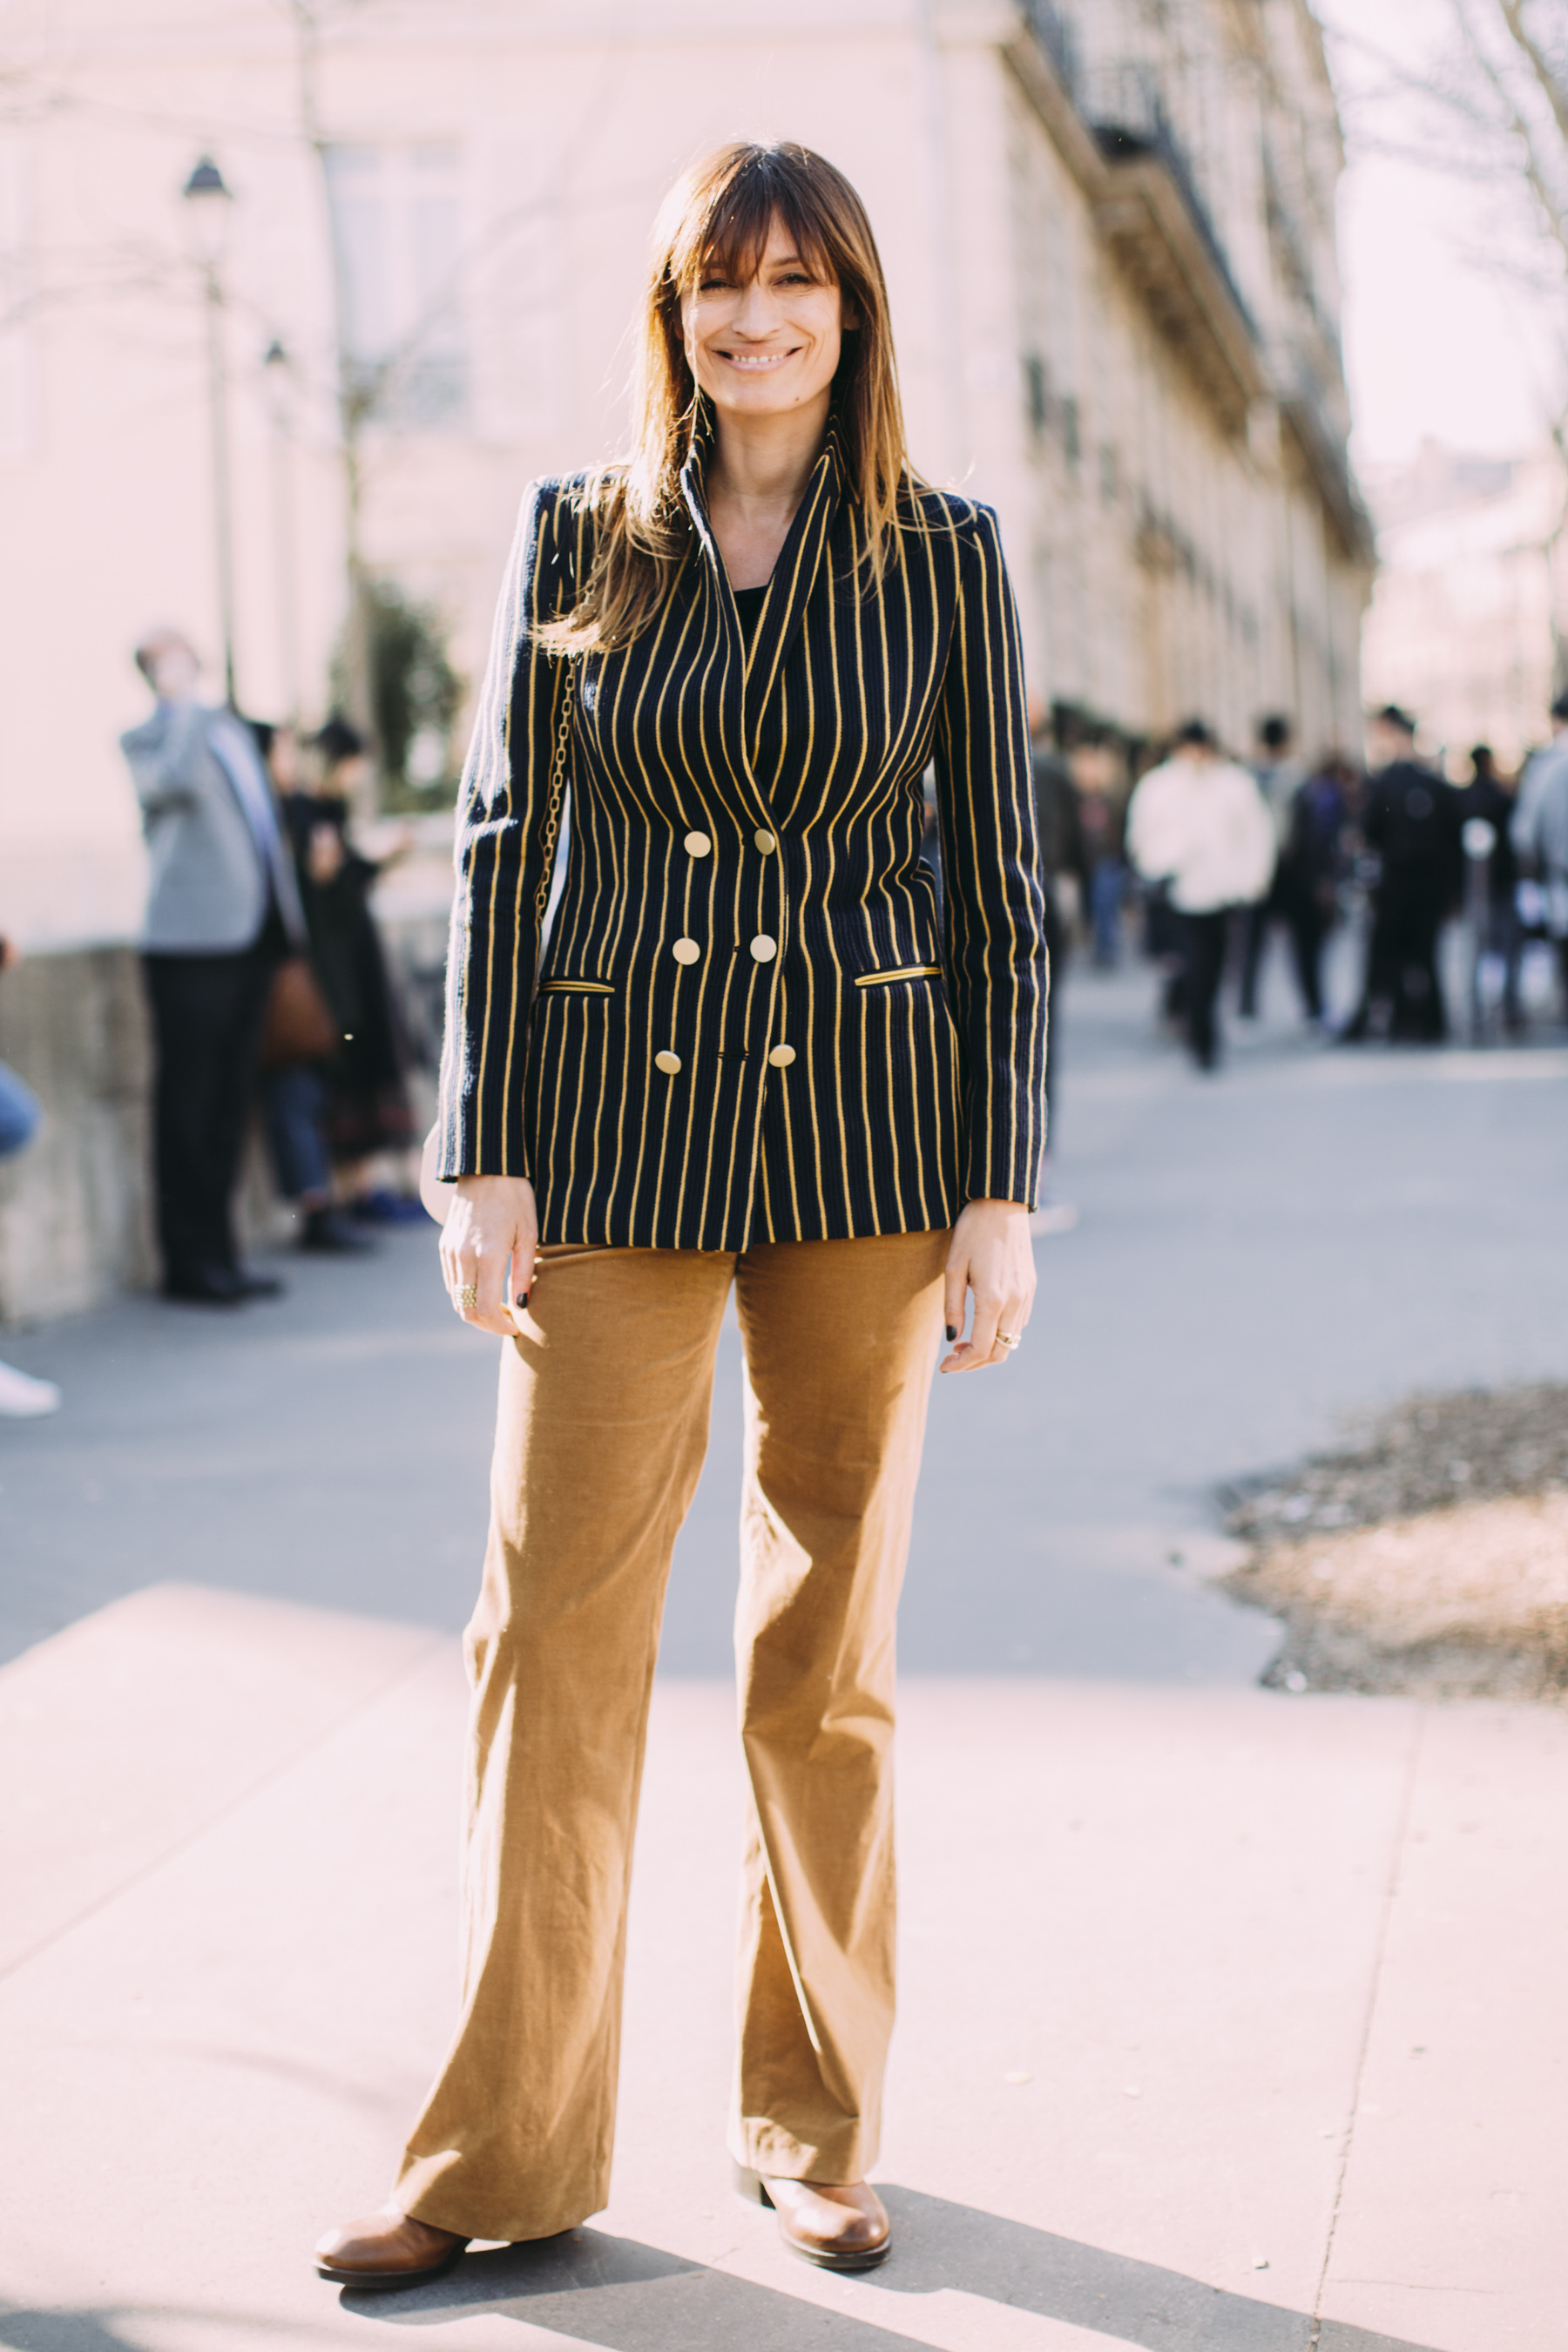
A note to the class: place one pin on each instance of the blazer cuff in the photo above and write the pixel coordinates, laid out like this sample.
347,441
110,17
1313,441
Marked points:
493,1145
989,1178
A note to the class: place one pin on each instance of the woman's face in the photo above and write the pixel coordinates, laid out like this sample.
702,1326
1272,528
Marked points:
345,778
770,345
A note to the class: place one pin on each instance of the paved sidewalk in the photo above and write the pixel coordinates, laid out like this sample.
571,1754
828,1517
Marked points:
1220,2010
1226,2017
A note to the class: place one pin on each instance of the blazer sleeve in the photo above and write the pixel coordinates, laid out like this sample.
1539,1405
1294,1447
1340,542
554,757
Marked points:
997,967
502,853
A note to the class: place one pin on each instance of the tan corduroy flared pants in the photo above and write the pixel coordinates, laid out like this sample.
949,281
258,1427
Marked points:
601,1433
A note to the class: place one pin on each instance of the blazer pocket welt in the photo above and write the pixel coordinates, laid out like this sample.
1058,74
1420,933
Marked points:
903,972
568,987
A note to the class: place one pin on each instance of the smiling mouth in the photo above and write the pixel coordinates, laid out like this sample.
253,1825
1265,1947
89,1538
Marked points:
757,361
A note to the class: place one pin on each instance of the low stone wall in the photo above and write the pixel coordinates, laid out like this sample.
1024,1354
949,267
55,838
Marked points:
73,1225
75,1206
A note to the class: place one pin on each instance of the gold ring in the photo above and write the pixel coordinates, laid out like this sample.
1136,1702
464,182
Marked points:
466,1299
1005,1339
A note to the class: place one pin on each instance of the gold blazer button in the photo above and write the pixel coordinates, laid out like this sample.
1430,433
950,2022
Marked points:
666,1062
698,845
764,949
782,1056
764,841
686,951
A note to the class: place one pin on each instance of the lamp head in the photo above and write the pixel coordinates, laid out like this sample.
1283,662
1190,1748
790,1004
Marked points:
209,196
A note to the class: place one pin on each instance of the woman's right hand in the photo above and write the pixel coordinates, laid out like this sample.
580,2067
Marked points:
493,1218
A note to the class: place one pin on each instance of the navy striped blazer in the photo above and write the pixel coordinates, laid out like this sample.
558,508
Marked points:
747,1027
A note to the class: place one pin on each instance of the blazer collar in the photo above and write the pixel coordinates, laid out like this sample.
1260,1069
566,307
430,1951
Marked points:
828,469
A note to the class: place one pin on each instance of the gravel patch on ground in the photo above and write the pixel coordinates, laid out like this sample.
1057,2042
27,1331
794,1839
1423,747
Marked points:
1430,1555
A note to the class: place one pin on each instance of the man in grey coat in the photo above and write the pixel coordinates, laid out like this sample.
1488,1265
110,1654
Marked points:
222,910
1539,832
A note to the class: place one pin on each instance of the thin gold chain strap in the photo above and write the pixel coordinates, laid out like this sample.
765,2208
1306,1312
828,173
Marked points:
557,789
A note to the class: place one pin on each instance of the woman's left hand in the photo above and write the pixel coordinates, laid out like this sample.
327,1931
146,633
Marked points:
991,1254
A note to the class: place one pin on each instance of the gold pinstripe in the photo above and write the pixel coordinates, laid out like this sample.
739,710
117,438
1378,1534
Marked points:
816,732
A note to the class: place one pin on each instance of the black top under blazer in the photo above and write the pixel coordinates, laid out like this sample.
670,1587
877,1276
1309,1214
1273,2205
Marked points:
746,1028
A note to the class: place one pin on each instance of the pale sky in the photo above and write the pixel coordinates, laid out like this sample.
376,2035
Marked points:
1440,338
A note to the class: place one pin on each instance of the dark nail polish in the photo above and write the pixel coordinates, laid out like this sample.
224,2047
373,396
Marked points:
951,1333
523,1298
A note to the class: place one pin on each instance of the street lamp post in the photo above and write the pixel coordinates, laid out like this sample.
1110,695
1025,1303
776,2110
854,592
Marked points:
274,364
208,197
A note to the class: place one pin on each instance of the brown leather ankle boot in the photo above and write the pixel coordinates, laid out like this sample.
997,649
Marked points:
839,2225
386,2249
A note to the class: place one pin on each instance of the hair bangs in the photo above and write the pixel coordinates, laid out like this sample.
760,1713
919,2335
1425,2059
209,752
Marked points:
732,233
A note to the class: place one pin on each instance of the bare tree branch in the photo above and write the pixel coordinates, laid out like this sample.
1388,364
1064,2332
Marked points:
1541,65
1535,173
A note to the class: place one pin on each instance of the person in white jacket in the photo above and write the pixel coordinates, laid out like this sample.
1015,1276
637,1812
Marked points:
1199,826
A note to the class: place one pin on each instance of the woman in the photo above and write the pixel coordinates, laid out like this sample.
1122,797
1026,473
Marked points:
367,1109
741,1066
294,1089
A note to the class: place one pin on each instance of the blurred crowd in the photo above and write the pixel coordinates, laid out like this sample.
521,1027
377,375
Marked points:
1203,859
271,1000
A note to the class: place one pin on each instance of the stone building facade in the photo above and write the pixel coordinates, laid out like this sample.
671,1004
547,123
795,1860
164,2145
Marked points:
1194,540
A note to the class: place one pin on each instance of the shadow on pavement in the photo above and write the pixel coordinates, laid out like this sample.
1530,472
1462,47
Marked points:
627,2298
967,2251
64,2331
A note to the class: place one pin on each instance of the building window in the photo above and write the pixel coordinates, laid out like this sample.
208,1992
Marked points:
1073,443
396,239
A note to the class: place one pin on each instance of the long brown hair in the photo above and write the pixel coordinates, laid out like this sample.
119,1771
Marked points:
721,212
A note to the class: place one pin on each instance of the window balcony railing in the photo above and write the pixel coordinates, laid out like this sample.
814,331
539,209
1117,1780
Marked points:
1294,258
1055,35
1123,104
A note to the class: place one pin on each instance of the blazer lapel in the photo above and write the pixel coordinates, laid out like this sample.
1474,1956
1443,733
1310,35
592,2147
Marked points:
794,577
750,676
713,583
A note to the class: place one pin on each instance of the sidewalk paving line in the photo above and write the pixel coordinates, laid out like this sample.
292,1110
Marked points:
1452,2220
1375,1987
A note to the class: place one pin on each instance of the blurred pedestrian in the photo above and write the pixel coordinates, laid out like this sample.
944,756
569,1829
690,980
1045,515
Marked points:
368,1113
1539,834
1062,873
1411,823
1278,777
1310,869
1490,798
1197,824
294,1088
222,912
22,1397
1096,770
